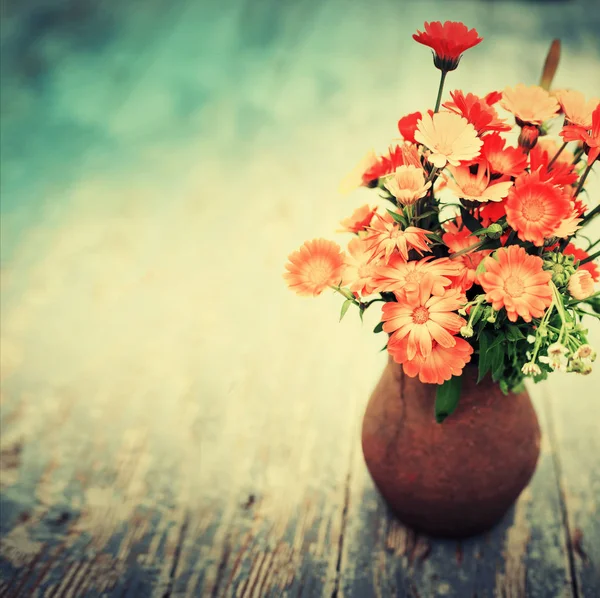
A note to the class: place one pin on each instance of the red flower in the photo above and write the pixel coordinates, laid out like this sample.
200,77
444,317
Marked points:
591,138
407,126
477,111
560,173
493,97
448,42
580,254
384,165
506,161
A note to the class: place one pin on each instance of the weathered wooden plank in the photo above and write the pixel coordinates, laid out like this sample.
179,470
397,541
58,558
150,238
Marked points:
572,403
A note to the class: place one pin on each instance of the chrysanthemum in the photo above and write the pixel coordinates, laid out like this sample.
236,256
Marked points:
407,184
448,42
407,126
477,187
590,137
535,209
581,285
506,161
359,221
439,366
577,110
449,137
516,281
532,105
424,318
386,236
477,111
318,264
399,275
359,267
579,255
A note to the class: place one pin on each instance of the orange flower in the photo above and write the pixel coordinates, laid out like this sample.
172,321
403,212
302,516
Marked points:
449,137
535,209
359,221
448,42
559,173
386,236
509,161
315,266
424,318
532,105
440,365
580,254
477,187
383,165
581,285
577,110
517,282
407,184
359,267
407,126
591,138
399,275
477,111
550,147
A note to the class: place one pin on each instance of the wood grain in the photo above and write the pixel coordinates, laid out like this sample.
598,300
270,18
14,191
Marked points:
174,422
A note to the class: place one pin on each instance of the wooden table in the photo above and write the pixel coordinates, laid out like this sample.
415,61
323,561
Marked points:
174,421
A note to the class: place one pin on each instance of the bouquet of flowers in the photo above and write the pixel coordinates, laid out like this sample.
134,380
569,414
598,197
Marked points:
477,250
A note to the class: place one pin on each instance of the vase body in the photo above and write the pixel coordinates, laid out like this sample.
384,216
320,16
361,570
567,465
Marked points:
452,479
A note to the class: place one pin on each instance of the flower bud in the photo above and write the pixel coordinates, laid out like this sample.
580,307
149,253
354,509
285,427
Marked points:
466,331
531,369
581,285
494,231
528,137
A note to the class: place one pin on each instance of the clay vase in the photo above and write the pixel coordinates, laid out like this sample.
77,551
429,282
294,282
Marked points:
457,478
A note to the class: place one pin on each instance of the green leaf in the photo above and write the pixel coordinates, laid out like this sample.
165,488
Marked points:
435,237
484,363
446,398
378,328
360,313
426,214
345,307
513,333
386,345
398,217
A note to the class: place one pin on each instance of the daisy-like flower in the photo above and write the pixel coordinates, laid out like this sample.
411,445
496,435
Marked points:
448,42
439,366
577,110
591,137
449,137
386,236
355,179
384,165
531,105
407,184
516,281
424,318
506,161
407,126
535,209
581,285
550,147
477,187
359,221
399,275
579,255
559,173
556,357
317,265
477,111
359,267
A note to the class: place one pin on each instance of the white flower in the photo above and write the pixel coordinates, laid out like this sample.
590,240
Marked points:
531,369
466,331
557,350
584,352
530,338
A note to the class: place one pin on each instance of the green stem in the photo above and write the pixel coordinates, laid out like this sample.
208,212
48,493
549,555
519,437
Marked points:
589,258
590,216
440,89
558,153
582,180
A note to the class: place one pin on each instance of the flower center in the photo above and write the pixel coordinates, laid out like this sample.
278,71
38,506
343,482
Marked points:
414,276
443,148
420,315
514,286
533,208
319,274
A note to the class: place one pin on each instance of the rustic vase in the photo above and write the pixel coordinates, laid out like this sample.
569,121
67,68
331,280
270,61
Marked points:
457,478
